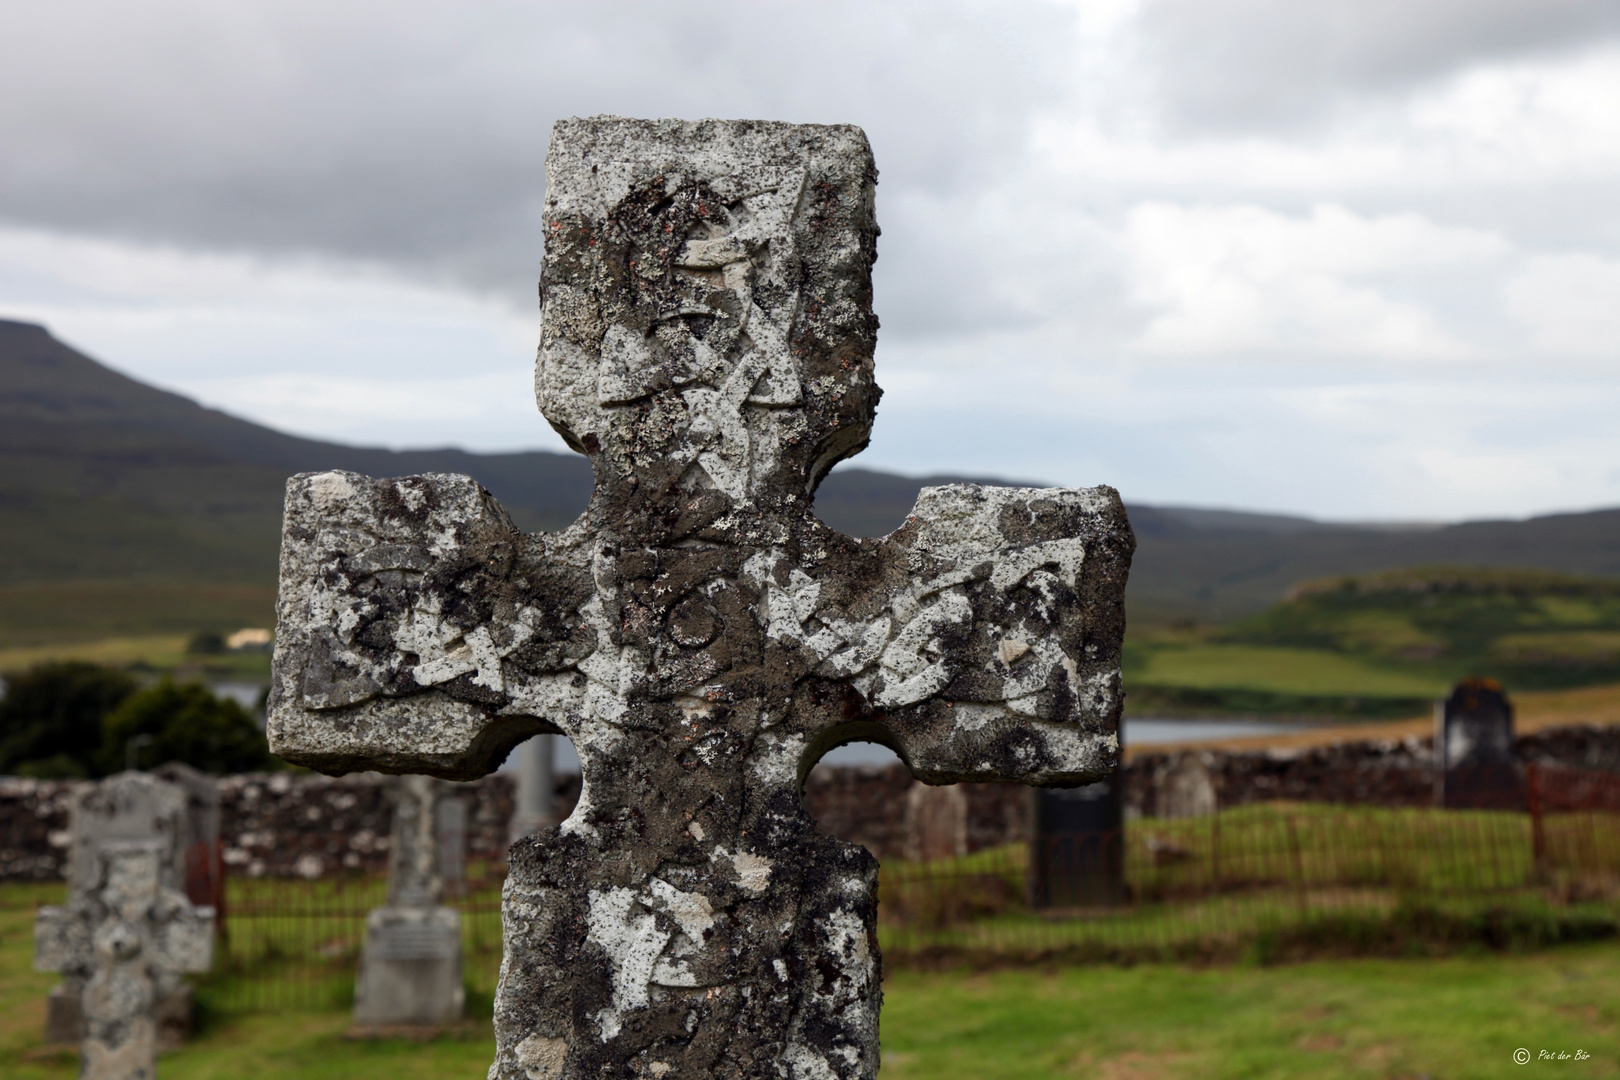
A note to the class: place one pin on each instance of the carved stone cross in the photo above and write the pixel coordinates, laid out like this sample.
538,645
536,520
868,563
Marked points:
128,937
706,339
127,806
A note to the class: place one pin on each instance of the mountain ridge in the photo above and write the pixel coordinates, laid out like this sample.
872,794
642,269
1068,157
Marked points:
104,478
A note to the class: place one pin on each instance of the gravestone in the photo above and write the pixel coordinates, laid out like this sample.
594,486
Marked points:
410,966
1474,763
128,806
205,867
1077,856
935,823
1186,787
452,832
698,635
130,936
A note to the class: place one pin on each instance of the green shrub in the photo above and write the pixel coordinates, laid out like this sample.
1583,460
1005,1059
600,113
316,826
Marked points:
185,722
51,718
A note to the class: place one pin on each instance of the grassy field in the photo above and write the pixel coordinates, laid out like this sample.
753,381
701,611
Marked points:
1280,669
1454,1018
83,613
165,654
1382,645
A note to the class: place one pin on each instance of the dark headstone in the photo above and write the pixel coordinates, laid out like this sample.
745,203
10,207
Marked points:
1474,763
1078,855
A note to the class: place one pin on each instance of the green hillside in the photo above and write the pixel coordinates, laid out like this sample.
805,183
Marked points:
119,500
1535,629
1384,644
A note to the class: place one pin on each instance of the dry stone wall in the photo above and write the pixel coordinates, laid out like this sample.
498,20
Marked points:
292,825
272,824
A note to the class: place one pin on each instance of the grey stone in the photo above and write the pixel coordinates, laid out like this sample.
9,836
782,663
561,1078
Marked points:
127,806
706,339
129,937
410,966
536,792
204,870
452,831
935,822
1186,787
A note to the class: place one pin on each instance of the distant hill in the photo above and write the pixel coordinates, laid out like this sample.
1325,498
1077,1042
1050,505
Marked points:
105,481
1531,627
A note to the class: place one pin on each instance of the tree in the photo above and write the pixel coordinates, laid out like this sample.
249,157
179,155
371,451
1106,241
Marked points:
184,722
51,718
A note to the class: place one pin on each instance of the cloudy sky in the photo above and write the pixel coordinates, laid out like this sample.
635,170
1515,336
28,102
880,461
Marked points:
1350,258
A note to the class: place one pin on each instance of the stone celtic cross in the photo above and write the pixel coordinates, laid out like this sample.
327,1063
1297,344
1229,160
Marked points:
706,339
128,936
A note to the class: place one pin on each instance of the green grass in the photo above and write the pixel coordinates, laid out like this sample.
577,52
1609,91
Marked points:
86,612
1458,1018
160,655
1383,645
1278,669
1455,1018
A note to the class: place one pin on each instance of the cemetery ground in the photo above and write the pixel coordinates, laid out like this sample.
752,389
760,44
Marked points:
1345,942
1452,1017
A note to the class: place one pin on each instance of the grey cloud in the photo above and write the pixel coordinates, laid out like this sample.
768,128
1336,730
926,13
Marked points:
1284,63
414,134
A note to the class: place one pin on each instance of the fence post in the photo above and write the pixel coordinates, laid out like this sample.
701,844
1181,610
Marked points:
1299,864
1538,838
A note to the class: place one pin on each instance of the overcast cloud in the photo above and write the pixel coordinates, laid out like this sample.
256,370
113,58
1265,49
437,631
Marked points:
1354,258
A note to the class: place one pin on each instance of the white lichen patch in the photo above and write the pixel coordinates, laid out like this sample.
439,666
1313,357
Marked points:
628,933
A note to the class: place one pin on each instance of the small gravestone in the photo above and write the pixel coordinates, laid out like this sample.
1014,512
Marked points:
698,635
1186,787
129,936
410,968
935,822
452,830
1474,763
129,806
1077,856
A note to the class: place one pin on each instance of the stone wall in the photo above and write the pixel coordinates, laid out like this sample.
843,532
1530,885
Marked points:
1385,772
272,824
303,824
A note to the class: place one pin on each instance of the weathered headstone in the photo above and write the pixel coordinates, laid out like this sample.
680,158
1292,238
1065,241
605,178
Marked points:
702,639
935,822
410,966
205,868
128,806
452,832
1186,787
129,936
1473,745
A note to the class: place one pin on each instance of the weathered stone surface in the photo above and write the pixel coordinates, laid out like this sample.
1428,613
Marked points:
129,936
126,807
410,968
702,639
